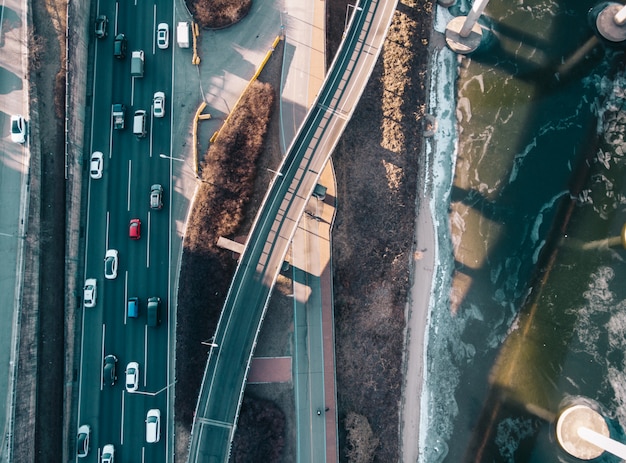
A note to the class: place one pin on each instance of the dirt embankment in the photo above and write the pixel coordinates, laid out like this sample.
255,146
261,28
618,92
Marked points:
377,162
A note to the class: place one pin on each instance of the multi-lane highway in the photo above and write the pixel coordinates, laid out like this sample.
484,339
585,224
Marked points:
228,363
131,166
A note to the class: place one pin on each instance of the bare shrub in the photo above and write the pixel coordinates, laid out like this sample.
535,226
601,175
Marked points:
361,441
260,435
228,174
217,14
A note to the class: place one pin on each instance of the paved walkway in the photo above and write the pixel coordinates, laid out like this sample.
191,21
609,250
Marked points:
15,160
314,346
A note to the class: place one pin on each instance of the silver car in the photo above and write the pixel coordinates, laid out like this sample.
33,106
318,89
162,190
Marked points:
156,196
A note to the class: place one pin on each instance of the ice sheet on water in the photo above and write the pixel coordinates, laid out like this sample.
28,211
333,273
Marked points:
510,433
441,406
599,301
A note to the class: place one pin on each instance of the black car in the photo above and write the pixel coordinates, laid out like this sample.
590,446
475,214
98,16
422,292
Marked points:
101,26
109,376
119,46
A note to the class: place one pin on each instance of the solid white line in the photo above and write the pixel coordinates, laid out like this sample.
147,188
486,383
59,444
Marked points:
145,354
171,313
117,8
148,242
151,129
132,92
125,295
102,356
122,420
154,30
106,241
130,171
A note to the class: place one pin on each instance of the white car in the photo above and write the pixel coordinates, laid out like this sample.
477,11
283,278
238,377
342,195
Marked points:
158,104
90,292
153,426
132,377
18,129
110,264
108,452
96,164
82,441
163,36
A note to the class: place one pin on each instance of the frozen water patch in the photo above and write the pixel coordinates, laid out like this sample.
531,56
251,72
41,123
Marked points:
510,433
519,159
438,410
599,299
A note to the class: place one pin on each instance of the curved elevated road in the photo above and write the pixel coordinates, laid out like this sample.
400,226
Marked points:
227,367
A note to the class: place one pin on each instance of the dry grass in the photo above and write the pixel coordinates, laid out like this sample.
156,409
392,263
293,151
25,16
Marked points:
218,14
227,174
376,163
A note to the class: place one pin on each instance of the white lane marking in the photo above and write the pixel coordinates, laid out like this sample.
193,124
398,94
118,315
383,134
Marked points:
122,420
106,240
151,128
132,92
102,357
148,243
117,9
130,171
145,354
154,30
125,295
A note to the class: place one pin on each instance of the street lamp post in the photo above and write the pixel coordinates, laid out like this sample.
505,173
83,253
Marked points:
157,392
165,156
355,8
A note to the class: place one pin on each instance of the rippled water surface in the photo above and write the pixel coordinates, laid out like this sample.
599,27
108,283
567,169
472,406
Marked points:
529,305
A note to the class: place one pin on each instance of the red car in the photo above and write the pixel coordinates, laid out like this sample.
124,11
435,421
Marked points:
134,231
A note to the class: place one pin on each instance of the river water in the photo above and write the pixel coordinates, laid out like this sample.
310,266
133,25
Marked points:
528,311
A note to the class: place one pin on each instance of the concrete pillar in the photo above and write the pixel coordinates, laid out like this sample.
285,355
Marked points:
609,20
463,33
584,434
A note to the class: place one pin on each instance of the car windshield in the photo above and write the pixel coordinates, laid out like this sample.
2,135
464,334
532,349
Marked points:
16,127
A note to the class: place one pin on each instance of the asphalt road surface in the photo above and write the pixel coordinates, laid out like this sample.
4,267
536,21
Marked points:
131,166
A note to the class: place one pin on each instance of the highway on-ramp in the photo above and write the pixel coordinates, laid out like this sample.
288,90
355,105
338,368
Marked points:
227,366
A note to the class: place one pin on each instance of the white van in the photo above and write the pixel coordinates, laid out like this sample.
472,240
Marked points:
139,123
182,34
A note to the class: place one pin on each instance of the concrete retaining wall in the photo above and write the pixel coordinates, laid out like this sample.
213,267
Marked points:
78,100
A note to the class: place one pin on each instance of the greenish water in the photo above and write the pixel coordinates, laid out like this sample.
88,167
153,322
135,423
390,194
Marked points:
538,185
